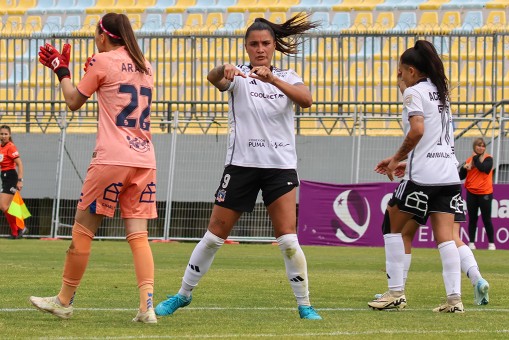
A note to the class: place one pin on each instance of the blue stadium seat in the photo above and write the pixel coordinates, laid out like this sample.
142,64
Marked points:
53,24
406,21
72,23
42,7
81,6
472,21
390,5
153,23
160,6
454,4
174,21
315,5
62,7
323,19
202,6
222,5
234,22
341,21
16,74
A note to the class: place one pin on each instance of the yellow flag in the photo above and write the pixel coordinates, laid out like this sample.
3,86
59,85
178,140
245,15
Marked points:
19,210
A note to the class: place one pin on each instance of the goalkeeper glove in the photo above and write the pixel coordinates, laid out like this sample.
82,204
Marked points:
88,62
58,62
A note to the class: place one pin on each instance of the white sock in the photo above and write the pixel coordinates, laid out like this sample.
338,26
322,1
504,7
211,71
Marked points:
469,264
451,267
296,267
394,261
200,262
406,267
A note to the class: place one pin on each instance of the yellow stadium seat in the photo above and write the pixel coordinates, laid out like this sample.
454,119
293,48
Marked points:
385,73
21,8
363,22
82,49
496,22
101,6
277,17
471,73
49,100
461,48
193,24
40,76
4,5
393,47
220,99
494,74
452,71
482,98
314,74
217,50
349,47
354,73
33,24
13,24
497,4
356,5
391,100
284,5
24,95
502,93
243,6
213,22
135,20
384,21
450,21
327,49
252,16
181,6
433,4
6,95
428,23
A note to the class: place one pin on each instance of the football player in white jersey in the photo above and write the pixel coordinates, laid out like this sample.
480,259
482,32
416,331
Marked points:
431,185
261,156
469,264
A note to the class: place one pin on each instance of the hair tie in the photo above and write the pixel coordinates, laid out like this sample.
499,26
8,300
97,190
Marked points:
108,32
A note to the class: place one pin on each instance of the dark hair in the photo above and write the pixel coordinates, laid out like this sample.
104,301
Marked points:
477,141
8,128
424,57
296,25
119,31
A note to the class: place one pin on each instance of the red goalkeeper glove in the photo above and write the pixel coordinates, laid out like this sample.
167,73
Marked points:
88,62
58,62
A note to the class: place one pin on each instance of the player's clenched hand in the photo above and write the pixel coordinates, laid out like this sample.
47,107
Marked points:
57,61
263,73
88,62
231,71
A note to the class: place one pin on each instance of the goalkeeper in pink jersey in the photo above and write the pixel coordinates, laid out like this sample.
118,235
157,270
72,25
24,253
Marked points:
123,166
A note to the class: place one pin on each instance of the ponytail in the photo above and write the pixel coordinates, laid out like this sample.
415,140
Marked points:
424,57
295,26
120,32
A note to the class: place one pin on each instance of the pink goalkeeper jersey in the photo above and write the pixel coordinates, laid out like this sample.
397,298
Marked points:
124,95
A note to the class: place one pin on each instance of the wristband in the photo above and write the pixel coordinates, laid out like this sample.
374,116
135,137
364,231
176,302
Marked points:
20,179
62,73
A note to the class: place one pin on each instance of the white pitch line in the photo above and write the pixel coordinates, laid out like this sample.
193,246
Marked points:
487,309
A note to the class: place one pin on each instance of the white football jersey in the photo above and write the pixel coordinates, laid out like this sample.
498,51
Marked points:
261,122
432,161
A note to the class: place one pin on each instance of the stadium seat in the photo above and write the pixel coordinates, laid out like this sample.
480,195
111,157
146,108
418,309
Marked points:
461,47
471,73
390,5
23,94
502,94
450,21
4,4
384,21
451,69
82,49
80,7
496,22
393,47
33,24
135,20
406,22
13,24
193,24
153,23
6,95
491,72
202,6
428,22
473,20
89,24
14,74
72,23
60,7
214,22
357,5
101,6
370,48
363,22
180,6
384,73
340,21
160,6
53,24
463,4
21,7
324,48
217,50
41,7
234,22
497,4
173,21
243,6
277,17
432,4
222,5
284,5
323,19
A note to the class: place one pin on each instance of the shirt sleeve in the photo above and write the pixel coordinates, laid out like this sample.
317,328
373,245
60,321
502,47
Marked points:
412,101
293,78
95,75
13,152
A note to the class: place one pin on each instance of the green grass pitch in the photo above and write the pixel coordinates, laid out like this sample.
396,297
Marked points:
244,295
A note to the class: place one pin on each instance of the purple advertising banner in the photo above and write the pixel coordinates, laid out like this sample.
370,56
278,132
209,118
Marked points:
352,215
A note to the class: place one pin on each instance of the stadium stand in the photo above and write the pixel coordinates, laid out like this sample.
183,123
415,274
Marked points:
180,6
497,4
